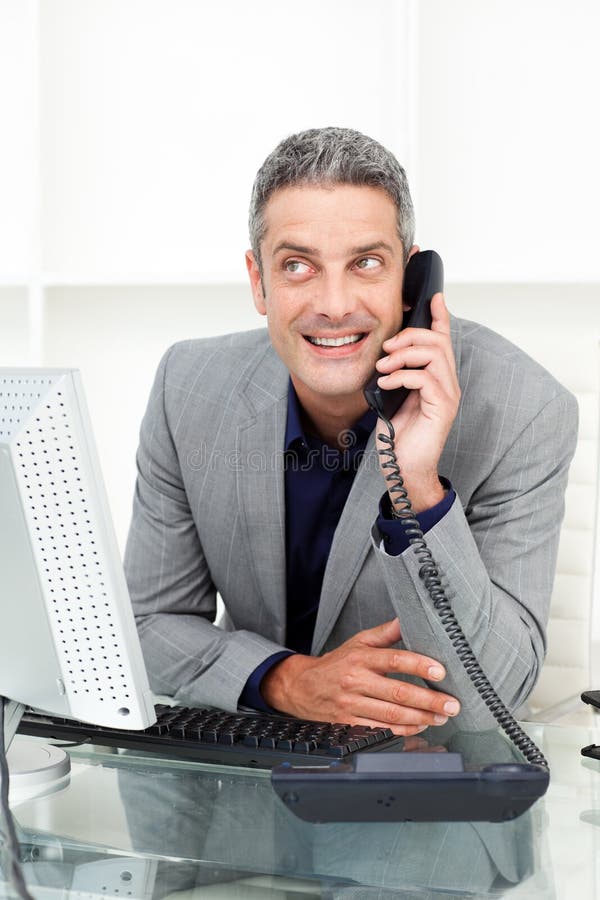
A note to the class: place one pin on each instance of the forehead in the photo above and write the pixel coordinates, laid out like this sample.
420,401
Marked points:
330,212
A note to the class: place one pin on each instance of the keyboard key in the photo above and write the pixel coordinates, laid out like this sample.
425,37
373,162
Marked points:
305,746
337,750
157,728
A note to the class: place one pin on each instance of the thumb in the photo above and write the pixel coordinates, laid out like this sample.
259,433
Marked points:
440,317
382,635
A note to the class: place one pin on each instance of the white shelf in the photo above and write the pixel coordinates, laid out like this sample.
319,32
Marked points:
82,280
138,279
19,280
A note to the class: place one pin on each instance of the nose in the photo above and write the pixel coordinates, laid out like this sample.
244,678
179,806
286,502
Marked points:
336,298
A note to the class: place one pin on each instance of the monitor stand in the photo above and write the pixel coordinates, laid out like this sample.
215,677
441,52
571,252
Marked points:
31,764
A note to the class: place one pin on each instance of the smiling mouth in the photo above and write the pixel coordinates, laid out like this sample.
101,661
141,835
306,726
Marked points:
335,342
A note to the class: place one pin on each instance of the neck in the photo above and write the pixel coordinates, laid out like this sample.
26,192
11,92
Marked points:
329,417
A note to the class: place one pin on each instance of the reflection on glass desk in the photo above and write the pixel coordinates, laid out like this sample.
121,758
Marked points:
128,826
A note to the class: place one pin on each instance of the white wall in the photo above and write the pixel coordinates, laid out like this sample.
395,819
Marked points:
18,154
509,138
156,115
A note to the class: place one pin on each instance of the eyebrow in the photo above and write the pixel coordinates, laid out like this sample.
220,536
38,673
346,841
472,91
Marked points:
312,251
368,248
295,248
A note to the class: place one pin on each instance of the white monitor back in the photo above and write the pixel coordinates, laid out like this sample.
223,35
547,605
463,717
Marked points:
68,641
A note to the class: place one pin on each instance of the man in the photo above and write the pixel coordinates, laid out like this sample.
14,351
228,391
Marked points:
260,478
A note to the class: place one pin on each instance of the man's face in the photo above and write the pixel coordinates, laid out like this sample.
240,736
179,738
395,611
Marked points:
332,284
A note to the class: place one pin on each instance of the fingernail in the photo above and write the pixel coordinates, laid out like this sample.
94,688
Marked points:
440,720
451,707
435,672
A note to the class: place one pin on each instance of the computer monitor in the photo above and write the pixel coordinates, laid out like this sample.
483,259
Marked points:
68,641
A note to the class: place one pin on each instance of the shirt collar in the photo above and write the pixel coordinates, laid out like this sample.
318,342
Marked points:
293,429
295,432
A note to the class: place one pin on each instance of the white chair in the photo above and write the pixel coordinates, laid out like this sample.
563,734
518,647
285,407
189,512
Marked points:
573,660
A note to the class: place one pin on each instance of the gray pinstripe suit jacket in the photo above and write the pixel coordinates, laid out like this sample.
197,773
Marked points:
209,516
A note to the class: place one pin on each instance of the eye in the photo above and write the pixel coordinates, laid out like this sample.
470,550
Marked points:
296,267
368,262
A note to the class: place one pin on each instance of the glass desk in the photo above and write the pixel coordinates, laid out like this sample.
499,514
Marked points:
132,827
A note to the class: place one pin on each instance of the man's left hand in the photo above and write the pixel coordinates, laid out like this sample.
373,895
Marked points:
422,360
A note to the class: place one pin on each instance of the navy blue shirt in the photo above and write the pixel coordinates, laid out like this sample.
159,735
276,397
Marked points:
318,479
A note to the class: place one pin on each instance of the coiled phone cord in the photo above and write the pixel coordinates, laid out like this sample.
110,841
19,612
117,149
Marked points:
430,575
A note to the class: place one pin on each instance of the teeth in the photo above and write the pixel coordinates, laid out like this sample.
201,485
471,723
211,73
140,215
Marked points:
335,342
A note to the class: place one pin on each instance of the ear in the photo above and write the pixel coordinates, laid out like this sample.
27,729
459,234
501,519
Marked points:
256,283
414,249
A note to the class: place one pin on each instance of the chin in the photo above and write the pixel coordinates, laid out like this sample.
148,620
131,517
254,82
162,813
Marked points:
337,387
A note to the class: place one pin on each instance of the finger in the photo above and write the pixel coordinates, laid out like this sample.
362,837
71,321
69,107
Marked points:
436,384
416,744
440,317
413,357
435,364
407,336
422,745
392,714
433,356
424,337
423,699
383,635
399,730
365,692
433,393
403,662
418,704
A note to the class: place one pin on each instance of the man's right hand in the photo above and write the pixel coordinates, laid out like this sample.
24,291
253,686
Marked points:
349,684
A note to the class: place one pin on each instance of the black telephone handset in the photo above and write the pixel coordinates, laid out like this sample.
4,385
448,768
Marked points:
423,277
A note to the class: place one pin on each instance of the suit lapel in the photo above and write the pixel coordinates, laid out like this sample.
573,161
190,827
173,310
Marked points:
260,486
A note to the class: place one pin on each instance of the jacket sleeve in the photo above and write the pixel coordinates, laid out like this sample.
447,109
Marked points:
172,592
497,558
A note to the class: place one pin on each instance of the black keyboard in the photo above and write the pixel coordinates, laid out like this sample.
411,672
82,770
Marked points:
214,736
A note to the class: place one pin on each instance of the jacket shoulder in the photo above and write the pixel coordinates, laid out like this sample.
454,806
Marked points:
214,360
495,368
194,352
233,372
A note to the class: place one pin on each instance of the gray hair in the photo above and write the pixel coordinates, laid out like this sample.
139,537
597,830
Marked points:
328,156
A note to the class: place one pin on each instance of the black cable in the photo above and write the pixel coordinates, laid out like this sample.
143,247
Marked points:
15,871
430,575
68,746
